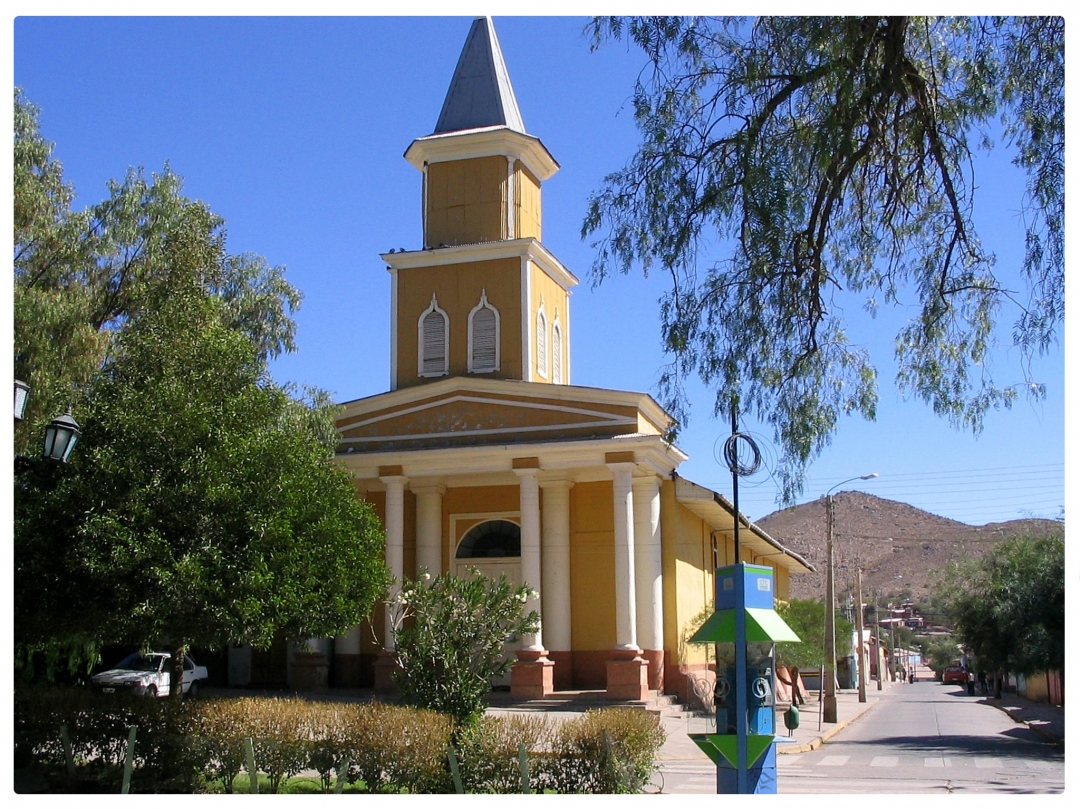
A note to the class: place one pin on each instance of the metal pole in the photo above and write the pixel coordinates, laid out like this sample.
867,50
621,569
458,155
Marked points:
829,706
859,632
735,477
877,635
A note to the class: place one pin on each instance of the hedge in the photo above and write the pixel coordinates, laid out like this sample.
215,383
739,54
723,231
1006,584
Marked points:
195,745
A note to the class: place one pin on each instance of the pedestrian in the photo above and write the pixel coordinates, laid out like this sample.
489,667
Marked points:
982,681
971,683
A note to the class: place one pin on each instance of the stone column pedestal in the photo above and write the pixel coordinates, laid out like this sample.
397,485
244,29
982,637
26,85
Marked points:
532,677
309,672
386,664
627,675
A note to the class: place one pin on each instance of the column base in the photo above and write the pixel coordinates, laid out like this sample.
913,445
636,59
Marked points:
656,669
309,672
627,675
532,677
386,664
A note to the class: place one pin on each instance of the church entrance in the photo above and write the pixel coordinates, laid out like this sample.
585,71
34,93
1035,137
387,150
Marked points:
494,548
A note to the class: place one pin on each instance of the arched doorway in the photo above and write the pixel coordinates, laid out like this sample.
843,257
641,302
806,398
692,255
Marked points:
494,548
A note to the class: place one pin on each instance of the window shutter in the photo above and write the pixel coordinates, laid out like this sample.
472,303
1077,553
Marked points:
434,343
484,335
556,353
541,343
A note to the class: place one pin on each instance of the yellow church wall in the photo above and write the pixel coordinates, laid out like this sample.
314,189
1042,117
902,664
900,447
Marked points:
693,581
544,289
592,567
457,289
527,208
466,201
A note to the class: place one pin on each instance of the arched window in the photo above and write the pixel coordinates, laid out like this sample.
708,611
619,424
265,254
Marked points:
556,351
433,338
483,337
541,342
493,538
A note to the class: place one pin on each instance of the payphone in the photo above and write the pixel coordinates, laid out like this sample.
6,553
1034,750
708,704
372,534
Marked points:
745,628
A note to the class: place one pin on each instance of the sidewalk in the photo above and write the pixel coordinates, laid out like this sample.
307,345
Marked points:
807,737
1042,718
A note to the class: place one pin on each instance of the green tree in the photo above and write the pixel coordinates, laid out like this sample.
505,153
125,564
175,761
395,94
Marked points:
451,638
1009,607
81,276
807,618
203,506
831,159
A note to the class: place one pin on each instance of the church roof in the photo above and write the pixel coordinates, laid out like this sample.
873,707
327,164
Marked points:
480,93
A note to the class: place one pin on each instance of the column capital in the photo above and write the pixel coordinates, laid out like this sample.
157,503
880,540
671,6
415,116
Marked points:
617,467
388,480
557,483
527,472
643,481
428,489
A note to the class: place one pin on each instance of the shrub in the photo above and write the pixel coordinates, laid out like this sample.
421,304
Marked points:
450,638
488,752
604,751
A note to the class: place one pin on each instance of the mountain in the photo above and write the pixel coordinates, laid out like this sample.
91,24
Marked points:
900,547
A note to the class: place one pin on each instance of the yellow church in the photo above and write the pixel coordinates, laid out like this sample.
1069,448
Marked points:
485,453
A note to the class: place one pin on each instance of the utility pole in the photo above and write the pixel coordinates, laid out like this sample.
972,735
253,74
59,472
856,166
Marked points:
877,636
859,632
829,707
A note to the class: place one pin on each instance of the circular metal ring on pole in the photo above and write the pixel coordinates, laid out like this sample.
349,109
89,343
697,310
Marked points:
731,455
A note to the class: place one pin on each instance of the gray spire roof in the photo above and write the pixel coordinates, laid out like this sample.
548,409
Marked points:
480,94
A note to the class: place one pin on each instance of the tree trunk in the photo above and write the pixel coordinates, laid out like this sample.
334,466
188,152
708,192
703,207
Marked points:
176,677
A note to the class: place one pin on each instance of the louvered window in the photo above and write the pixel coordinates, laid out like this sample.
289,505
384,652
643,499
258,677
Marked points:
483,337
556,353
541,342
434,335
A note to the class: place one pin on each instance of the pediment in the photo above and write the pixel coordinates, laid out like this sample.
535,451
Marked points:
457,415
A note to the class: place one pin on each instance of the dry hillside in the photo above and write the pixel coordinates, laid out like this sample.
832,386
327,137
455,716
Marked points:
900,547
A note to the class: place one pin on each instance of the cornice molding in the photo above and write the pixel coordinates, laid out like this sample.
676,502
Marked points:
528,247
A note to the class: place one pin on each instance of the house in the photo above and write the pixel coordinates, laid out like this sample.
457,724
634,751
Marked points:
486,453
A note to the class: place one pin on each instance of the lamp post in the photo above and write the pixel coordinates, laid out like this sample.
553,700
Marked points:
61,434
829,708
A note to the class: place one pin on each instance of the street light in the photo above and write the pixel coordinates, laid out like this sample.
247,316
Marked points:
829,707
22,391
61,436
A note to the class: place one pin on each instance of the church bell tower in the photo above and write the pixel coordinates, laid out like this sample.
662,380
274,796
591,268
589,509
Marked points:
483,297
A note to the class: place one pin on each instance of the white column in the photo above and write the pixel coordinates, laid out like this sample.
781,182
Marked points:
395,544
529,484
556,573
429,528
649,583
625,601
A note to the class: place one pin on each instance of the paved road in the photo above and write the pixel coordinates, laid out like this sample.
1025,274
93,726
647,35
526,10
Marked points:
923,738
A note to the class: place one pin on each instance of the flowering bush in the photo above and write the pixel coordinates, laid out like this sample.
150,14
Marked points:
450,638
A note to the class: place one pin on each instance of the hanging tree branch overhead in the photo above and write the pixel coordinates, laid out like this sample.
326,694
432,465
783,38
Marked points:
833,155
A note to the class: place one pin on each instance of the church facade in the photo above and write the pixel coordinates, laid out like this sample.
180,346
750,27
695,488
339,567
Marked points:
485,454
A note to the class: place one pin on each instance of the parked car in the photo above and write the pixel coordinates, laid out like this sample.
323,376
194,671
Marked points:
149,674
954,674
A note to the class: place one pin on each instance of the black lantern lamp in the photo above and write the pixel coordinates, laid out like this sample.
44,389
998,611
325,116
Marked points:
22,392
61,436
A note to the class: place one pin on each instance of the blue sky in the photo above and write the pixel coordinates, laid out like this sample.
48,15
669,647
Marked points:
293,130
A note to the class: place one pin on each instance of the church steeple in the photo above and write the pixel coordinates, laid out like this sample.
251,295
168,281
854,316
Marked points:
483,297
480,93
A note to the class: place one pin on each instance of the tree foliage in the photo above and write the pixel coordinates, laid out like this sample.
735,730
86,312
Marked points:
80,276
831,159
202,506
451,670
807,618
1009,607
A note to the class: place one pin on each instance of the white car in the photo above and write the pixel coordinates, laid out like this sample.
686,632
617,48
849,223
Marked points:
149,674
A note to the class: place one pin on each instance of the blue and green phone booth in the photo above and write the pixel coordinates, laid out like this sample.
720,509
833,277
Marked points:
745,628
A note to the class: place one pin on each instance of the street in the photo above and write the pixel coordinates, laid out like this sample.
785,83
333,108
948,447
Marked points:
919,738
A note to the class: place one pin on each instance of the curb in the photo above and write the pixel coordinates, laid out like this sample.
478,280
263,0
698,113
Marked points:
826,734
1018,718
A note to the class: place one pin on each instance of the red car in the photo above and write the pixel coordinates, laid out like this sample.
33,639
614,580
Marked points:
954,674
